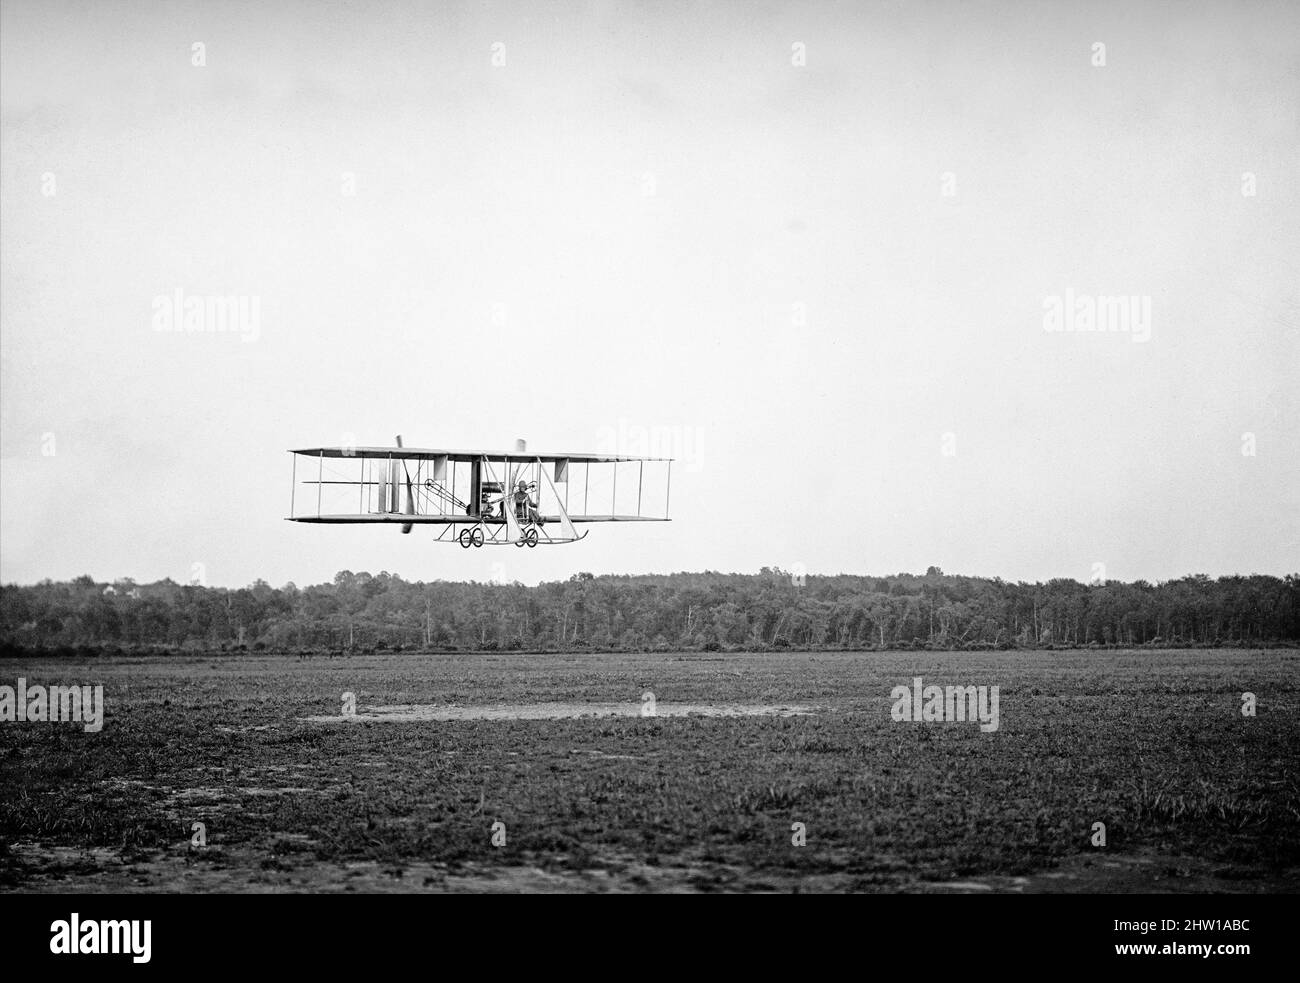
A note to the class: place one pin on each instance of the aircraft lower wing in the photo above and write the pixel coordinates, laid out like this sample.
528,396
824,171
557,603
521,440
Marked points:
399,519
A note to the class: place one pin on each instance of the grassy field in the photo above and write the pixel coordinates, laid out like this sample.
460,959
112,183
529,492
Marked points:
1194,795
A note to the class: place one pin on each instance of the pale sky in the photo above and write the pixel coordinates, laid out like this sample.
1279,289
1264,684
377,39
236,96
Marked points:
813,244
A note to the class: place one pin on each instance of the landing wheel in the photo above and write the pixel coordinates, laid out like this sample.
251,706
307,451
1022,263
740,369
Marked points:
465,536
531,538
476,536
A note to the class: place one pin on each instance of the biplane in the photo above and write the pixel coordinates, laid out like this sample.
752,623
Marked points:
479,498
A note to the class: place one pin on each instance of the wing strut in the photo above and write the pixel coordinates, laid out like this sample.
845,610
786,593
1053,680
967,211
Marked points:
566,523
410,492
508,501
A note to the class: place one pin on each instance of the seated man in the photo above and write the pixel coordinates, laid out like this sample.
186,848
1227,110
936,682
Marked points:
525,504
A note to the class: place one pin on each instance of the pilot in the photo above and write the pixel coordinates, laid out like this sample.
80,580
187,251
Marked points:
525,504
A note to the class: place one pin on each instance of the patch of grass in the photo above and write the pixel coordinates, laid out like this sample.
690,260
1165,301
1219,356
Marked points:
1152,744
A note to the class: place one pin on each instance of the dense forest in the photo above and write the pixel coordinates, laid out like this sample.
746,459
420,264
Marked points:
681,611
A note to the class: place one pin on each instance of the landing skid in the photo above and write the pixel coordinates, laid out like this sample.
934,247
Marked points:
497,534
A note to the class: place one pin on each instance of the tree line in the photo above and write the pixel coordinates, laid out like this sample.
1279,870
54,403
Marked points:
772,609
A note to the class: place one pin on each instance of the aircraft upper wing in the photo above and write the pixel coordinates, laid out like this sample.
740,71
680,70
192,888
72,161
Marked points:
428,454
